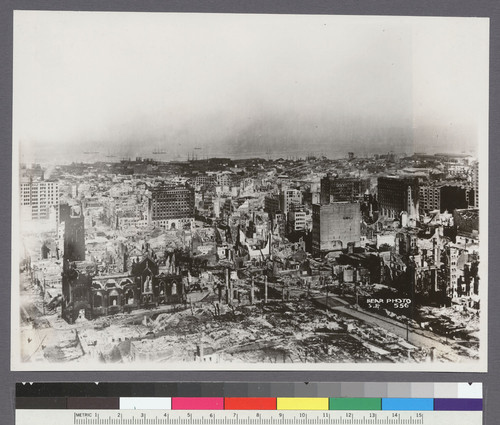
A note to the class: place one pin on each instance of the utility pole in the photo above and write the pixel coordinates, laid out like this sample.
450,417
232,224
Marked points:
231,294
326,283
227,287
252,291
265,289
43,295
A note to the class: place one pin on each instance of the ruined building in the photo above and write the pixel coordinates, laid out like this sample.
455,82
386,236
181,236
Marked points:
397,195
74,233
90,295
337,189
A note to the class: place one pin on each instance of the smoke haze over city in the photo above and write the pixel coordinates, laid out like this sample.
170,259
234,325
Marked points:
245,85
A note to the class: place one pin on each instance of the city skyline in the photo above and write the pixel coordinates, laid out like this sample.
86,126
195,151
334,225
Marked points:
208,261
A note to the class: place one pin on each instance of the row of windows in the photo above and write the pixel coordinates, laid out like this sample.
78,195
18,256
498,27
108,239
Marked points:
170,201
173,208
173,196
172,213
172,205
38,188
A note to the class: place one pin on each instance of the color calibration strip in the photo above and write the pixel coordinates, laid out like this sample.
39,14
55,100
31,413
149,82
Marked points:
251,403
282,396
302,403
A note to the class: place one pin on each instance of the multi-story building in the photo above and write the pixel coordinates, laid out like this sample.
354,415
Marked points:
204,180
442,197
223,179
340,189
464,280
475,184
335,225
38,198
456,254
278,224
296,218
429,198
171,207
397,195
466,222
74,233
271,204
289,197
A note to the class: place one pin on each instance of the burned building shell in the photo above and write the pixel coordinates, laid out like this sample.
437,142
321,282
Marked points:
93,296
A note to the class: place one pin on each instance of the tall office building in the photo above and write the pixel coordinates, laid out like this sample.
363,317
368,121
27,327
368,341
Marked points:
289,197
335,225
271,204
296,220
442,197
340,189
37,198
171,207
398,194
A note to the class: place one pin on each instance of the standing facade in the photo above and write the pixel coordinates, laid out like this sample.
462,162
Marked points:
397,195
171,207
335,225
38,197
340,189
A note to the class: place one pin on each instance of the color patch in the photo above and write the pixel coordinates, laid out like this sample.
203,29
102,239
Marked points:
41,403
470,390
422,390
301,403
399,390
445,390
249,403
462,404
146,403
355,404
375,389
197,403
90,403
407,404
350,389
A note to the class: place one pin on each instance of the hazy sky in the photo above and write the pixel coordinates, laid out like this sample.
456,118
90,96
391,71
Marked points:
127,83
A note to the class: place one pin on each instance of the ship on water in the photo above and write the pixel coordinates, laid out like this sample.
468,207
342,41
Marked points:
158,151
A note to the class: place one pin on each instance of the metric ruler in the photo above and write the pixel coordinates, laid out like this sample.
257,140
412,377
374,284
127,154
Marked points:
227,417
238,403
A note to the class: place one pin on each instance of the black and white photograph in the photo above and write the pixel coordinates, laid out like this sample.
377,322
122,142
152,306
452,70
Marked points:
249,192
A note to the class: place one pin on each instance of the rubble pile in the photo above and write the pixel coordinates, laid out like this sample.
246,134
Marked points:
457,321
274,332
